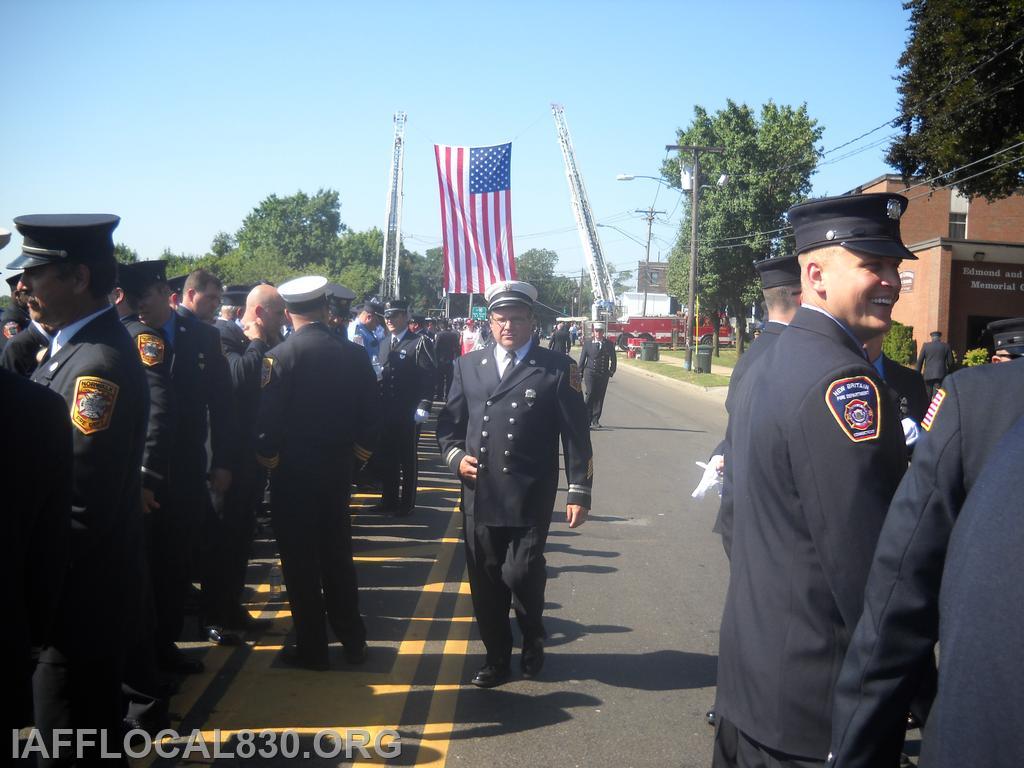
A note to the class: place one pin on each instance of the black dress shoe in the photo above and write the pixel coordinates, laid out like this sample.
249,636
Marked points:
533,658
356,654
290,657
712,717
219,635
491,675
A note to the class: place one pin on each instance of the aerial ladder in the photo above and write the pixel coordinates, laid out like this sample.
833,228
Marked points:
600,278
389,280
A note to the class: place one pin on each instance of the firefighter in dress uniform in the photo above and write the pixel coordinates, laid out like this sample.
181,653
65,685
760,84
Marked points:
509,405
597,362
317,409
816,453
69,271
407,392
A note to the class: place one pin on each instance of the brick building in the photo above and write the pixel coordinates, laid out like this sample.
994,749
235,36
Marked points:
652,277
970,267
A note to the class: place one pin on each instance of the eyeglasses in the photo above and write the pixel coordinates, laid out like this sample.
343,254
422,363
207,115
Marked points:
514,322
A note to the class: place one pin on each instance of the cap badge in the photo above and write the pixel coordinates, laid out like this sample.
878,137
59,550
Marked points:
830,235
892,208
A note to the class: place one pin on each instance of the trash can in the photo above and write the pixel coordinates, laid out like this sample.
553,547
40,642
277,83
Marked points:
703,358
649,350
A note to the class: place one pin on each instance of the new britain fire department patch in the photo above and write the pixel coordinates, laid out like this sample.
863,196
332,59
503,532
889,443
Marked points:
151,349
11,329
854,404
93,404
267,371
575,380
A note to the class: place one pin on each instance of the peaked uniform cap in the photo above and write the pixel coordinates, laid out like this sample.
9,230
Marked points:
508,292
137,277
303,289
782,270
1008,334
235,295
868,224
50,238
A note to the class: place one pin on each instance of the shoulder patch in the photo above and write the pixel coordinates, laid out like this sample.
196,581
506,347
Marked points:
853,402
11,329
933,409
93,405
575,381
151,348
267,371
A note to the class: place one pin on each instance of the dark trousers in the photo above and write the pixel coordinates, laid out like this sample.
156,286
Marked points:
506,569
227,542
932,385
141,687
397,461
445,371
597,386
734,749
314,535
171,531
80,687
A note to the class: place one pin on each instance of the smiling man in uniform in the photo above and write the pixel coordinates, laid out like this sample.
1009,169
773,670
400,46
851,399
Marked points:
499,432
817,453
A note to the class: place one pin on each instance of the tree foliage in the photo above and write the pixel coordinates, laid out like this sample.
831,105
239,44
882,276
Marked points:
768,158
898,344
556,293
125,254
300,230
960,94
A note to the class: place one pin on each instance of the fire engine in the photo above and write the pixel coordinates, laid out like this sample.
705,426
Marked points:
666,329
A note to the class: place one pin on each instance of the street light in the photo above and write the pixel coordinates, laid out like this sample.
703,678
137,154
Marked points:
631,176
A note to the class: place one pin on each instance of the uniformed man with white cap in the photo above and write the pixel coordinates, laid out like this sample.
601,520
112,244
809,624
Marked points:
509,405
317,409
597,362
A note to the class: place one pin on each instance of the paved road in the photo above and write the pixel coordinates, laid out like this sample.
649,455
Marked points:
634,601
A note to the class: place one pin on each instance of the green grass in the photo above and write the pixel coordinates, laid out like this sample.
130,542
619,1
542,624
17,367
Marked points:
674,370
727,357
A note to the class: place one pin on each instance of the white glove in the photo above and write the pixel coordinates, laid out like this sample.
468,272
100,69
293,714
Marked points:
910,432
713,471
420,416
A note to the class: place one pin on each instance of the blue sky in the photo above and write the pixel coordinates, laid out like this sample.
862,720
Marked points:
182,116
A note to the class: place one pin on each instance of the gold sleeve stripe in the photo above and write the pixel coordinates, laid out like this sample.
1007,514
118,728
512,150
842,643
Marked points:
268,463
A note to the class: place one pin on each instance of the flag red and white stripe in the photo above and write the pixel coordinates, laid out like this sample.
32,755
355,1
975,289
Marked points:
476,216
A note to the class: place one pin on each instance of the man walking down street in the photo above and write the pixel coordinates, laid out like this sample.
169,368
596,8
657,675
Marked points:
509,406
597,362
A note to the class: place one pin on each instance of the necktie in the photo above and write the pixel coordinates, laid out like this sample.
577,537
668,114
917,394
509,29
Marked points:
510,363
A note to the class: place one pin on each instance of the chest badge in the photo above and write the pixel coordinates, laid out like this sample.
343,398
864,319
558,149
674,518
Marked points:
530,395
402,354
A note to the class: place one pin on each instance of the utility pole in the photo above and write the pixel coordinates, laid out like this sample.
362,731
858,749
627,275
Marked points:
691,319
649,214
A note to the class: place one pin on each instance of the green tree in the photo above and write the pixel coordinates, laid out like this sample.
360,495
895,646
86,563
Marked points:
124,254
898,344
223,244
768,159
537,267
300,229
960,94
422,278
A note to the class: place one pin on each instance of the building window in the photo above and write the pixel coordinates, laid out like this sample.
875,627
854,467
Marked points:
957,226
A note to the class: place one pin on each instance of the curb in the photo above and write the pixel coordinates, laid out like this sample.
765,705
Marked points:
712,393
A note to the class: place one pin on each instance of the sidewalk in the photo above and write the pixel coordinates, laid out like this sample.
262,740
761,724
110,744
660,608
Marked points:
716,393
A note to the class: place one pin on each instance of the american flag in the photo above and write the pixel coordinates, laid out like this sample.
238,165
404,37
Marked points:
476,216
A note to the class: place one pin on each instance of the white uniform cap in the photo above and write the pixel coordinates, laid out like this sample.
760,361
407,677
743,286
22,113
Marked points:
5,237
597,326
303,289
506,292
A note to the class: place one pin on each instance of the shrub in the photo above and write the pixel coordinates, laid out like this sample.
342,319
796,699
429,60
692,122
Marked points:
898,344
974,357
